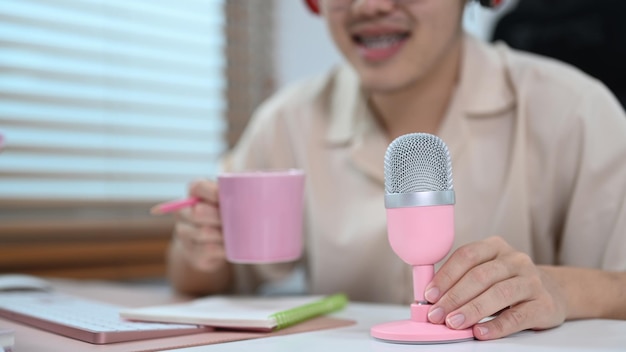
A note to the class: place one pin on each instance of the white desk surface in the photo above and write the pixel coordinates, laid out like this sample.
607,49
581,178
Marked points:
584,335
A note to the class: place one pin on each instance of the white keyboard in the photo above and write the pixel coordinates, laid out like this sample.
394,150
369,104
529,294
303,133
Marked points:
91,321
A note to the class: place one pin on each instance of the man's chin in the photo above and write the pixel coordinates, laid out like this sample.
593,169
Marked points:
383,82
381,86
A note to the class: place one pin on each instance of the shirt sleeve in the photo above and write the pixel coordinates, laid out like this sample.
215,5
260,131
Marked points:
263,144
594,231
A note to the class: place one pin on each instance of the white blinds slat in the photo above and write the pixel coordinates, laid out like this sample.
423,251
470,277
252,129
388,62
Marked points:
31,85
103,141
88,190
29,113
118,167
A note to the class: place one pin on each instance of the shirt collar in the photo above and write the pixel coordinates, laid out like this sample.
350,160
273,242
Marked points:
484,87
483,90
348,104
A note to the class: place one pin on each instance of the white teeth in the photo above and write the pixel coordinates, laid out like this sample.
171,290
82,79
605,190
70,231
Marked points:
382,41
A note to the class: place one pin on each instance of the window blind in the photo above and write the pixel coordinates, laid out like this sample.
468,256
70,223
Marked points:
110,99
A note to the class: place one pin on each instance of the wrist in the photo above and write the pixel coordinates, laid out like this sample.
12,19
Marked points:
590,293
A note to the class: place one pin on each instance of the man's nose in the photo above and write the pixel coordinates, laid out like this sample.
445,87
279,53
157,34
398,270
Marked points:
373,7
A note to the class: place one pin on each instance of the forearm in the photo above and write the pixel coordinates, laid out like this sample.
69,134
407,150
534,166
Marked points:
186,279
591,293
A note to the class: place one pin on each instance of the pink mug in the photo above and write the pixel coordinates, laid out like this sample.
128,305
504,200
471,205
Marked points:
261,215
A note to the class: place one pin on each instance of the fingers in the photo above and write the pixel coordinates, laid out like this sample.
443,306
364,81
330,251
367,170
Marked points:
487,277
198,228
203,246
482,291
205,256
205,190
189,233
501,295
206,212
462,261
201,214
542,312
510,321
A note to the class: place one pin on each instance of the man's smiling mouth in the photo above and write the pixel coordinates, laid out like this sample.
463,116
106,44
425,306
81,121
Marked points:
379,41
379,47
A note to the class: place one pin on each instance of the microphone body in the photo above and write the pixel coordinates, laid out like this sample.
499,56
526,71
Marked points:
419,198
421,236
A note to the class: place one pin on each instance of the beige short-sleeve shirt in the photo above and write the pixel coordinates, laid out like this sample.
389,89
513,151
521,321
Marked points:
538,154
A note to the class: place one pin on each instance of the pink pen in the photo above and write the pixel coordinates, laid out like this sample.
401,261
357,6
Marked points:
169,207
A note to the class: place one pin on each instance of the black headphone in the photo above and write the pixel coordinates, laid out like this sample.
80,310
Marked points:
490,3
314,6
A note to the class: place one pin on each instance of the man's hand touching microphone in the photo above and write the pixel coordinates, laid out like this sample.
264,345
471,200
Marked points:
486,277
197,255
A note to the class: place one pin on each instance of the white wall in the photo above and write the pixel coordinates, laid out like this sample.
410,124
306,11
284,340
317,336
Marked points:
305,48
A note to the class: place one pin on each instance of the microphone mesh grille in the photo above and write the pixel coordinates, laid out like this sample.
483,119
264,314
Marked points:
417,162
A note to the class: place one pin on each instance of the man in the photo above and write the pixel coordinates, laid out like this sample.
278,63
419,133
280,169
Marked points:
538,153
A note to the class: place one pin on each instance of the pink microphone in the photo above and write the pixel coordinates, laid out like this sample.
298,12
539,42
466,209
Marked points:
420,226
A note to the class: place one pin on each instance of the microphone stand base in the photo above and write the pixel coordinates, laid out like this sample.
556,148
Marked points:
413,332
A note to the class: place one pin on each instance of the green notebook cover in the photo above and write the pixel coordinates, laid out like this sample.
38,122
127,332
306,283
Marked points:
307,311
241,312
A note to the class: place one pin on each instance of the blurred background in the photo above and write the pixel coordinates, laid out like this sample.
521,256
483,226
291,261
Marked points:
110,106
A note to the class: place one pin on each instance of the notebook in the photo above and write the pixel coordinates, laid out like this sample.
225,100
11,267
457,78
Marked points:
239,312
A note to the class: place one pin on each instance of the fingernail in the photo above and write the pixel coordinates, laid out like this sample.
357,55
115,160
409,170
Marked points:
456,320
436,315
482,330
432,294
